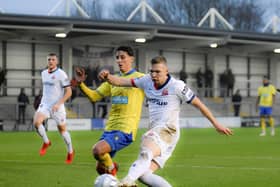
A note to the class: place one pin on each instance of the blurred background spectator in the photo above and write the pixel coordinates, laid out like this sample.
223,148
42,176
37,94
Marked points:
23,101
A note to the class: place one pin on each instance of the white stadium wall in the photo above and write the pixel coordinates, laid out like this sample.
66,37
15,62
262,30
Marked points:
174,61
19,64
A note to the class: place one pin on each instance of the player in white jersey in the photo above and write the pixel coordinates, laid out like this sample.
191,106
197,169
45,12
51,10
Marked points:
165,95
56,90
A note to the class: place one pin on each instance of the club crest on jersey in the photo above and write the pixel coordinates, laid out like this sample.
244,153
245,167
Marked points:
53,77
164,92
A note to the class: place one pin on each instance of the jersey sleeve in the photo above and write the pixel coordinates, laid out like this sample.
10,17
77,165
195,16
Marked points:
104,89
184,92
65,82
95,95
140,82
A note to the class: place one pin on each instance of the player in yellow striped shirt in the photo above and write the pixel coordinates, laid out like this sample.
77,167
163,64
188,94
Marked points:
265,100
121,127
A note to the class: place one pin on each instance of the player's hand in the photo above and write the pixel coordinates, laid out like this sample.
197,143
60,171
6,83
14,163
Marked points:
55,107
224,130
80,74
103,75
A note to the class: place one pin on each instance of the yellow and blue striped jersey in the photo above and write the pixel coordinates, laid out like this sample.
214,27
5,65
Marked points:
126,103
266,94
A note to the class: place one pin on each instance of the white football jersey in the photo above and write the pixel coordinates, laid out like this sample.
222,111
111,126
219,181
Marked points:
164,102
53,86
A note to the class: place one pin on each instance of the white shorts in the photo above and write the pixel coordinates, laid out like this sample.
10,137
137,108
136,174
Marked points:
59,116
166,138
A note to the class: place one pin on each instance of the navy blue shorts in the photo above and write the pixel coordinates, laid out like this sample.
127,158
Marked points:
265,111
117,140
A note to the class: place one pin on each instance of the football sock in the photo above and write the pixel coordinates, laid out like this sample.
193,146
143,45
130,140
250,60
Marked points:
107,161
42,132
154,180
263,124
271,122
67,139
141,165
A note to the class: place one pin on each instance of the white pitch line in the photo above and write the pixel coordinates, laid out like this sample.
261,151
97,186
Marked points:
80,164
178,156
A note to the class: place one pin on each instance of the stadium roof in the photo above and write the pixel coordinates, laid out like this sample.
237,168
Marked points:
112,33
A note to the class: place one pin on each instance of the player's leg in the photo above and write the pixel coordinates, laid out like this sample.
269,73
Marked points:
263,126
67,139
148,150
262,120
151,179
271,121
103,151
38,119
156,147
60,118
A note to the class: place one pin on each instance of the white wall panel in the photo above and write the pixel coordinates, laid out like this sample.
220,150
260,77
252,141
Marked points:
220,64
258,66
241,83
238,65
18,56
194,62
174,61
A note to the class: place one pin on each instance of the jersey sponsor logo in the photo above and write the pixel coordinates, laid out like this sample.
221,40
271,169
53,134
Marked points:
158,101
48,83
53,77
119,100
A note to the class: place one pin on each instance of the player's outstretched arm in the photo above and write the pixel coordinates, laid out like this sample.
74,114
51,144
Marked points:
208,114
114,80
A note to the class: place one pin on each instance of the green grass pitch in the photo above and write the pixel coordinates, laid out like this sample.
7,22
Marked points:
202,158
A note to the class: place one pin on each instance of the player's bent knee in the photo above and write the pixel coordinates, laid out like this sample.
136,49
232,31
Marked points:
97,152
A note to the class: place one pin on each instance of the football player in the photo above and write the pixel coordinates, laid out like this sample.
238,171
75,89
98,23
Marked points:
122,124
165,95
56,90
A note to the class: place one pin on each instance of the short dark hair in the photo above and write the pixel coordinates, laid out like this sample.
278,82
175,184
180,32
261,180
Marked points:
52,54
159,60
127,49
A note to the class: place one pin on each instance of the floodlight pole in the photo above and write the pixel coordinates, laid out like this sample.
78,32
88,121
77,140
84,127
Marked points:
274,22
67,8
143,5
212,14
